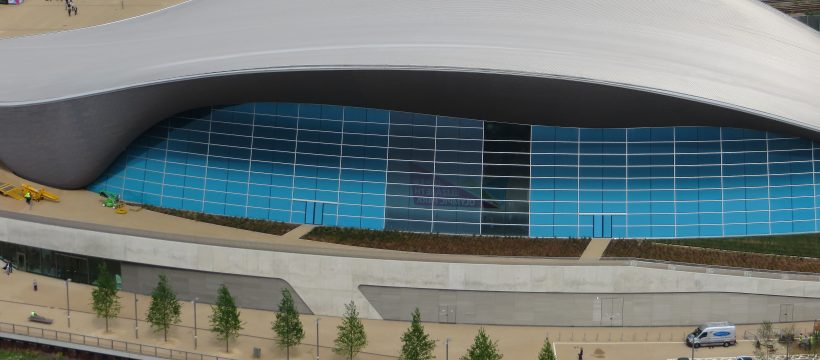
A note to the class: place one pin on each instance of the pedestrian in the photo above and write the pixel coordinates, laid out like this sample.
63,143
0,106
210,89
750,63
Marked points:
35,285
9,267
581,354
28,193
75,9
69,11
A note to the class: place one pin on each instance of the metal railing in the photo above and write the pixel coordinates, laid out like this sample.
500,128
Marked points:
103,343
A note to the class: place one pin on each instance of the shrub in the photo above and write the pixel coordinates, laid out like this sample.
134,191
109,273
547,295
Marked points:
450,244
262,226
685,254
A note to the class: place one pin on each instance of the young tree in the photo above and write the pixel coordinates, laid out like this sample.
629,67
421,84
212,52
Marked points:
288,326
765,349
165,309
225,320
351,337
104,299
483,348
546,351
416,344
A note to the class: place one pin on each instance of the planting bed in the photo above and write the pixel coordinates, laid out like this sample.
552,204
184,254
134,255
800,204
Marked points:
263,226
450,244
660,251
807,245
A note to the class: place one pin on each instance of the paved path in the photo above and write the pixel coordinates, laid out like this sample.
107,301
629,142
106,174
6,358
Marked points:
18,299
39,16
298,232
595,249
775,357
81,209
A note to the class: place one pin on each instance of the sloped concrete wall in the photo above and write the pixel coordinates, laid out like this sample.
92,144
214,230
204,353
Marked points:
325,283
586,309
250,292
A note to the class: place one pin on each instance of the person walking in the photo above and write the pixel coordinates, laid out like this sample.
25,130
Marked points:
35,285
9,267
581,354
28,195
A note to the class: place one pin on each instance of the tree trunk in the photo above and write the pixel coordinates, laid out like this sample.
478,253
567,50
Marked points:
166,335
106,324
226,344
288,352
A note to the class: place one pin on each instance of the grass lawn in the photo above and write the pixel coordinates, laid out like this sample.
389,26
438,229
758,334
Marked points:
807,245
22,355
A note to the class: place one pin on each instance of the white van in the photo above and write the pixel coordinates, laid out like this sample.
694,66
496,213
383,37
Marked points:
713,334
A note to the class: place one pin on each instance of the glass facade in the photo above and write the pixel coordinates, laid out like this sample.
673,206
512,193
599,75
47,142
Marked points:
380,169
78,268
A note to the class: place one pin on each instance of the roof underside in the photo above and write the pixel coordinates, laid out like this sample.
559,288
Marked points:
740,55
596,63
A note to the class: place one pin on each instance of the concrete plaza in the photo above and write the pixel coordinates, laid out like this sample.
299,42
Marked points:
40,16
638,343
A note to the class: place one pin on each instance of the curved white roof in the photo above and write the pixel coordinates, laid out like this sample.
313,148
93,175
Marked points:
738,54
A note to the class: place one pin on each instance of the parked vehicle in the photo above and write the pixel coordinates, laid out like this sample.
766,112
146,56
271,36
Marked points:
744,358
713,334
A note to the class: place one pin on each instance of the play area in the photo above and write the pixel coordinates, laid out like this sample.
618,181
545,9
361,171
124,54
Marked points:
19,192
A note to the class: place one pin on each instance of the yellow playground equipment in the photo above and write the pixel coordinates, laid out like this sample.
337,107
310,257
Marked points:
19,192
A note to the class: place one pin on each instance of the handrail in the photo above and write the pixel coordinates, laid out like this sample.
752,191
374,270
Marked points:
103,343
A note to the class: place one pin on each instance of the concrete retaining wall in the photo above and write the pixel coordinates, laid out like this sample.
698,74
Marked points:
326,283
250,292
586,309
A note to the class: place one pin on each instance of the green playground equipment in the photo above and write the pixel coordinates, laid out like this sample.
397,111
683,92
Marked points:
109,199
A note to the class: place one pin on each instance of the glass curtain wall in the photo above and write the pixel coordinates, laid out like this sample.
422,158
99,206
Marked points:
506,181
78,268
380,169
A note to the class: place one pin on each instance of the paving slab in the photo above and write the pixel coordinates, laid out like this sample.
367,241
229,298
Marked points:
41,16
18,299
595,249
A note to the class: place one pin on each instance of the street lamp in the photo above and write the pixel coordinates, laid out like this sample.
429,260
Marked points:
317,337
447,349
693,347
136,319
67,303
194,302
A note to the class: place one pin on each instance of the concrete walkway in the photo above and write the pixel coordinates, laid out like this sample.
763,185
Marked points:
40,16
595,249
81,209
18,299
298,232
